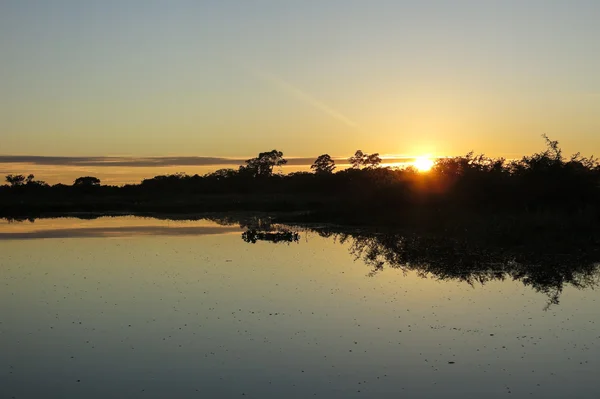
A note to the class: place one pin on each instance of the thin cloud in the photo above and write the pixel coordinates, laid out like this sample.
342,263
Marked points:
151,161
132,161
299,94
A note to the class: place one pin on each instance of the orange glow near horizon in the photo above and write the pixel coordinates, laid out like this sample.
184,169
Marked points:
423,164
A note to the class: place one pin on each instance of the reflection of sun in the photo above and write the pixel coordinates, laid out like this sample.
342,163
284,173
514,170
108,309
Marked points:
423,164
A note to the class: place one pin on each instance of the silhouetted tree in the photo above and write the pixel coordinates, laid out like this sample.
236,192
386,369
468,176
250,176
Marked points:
86,181
15,180
30,181
454,166
323,165
262,166
221,174
361,159
553,150
22,181
357,160
372,161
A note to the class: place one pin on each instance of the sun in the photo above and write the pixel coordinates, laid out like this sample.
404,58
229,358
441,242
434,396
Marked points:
423,164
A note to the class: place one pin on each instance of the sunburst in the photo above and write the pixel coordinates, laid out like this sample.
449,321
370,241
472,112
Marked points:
423,164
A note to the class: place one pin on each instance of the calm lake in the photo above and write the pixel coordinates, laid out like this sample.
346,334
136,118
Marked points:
125,307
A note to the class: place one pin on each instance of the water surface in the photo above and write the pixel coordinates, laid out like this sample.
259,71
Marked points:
146,308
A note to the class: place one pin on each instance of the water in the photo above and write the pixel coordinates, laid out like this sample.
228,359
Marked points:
145,308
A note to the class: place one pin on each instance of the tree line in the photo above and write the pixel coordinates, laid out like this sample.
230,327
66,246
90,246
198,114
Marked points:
260,167
546,180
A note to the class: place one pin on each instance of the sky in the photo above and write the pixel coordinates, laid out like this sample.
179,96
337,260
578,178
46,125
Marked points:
233,78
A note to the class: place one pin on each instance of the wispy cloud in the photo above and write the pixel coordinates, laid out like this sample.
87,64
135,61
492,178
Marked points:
145,162
296,92
132,161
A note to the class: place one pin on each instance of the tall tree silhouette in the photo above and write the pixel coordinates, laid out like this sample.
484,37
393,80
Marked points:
372,160
323,165
357,160
361,159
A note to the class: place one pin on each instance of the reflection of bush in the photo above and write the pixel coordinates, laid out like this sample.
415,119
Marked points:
253,236
547,261
546,268
259,228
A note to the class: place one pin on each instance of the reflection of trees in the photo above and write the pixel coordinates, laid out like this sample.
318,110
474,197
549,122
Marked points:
19,219
544,269
253,236
545,265
545,262
259,228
